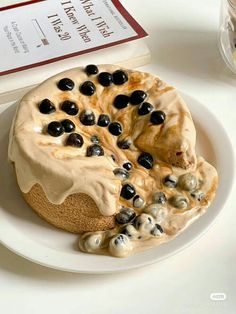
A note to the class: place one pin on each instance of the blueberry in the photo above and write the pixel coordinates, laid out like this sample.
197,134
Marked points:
94,139
157,117
127,191
66,84
87,117
170,181
179,201
124,144
103,120
115,128
105,79
55,129
70,107
68,125
91,69
159,198
122,174
157,230
127,166
138,202
137,97
87,88
121,101
46,106
145,160
145,108
119,77
75,140
94,150
125,216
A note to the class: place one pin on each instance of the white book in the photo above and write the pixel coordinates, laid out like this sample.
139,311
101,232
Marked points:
42,38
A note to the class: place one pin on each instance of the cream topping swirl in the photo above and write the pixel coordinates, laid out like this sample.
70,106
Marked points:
62,170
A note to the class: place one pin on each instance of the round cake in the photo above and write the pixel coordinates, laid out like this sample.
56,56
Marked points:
110,152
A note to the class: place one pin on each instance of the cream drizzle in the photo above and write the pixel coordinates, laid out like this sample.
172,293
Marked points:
62,171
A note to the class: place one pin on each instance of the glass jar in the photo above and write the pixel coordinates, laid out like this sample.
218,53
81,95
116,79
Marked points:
227,33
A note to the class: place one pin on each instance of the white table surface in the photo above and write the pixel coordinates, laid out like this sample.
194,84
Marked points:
183,43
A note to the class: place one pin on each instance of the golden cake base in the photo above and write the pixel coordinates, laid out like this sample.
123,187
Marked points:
77,214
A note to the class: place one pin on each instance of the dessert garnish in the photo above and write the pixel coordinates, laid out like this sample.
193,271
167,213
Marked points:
70,107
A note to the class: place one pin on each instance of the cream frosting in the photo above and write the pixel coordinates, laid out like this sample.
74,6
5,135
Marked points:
62,170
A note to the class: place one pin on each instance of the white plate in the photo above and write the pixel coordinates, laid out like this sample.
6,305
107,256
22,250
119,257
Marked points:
23,232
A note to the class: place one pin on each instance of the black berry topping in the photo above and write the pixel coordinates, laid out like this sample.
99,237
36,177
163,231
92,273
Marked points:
75,140
198,194
157,117
127,166
159,198
124,144
138,201
178,201
188,182
119,240
105,79
121,173
121,101
95,150
137,97
143,221
70,107
91,69
145,108
66,84
145,160
103,120
55,129
46,106
127,191
68,125
170,181
157,230
125,216
115,128
87,117
94,139
87,88
129,231
119,77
